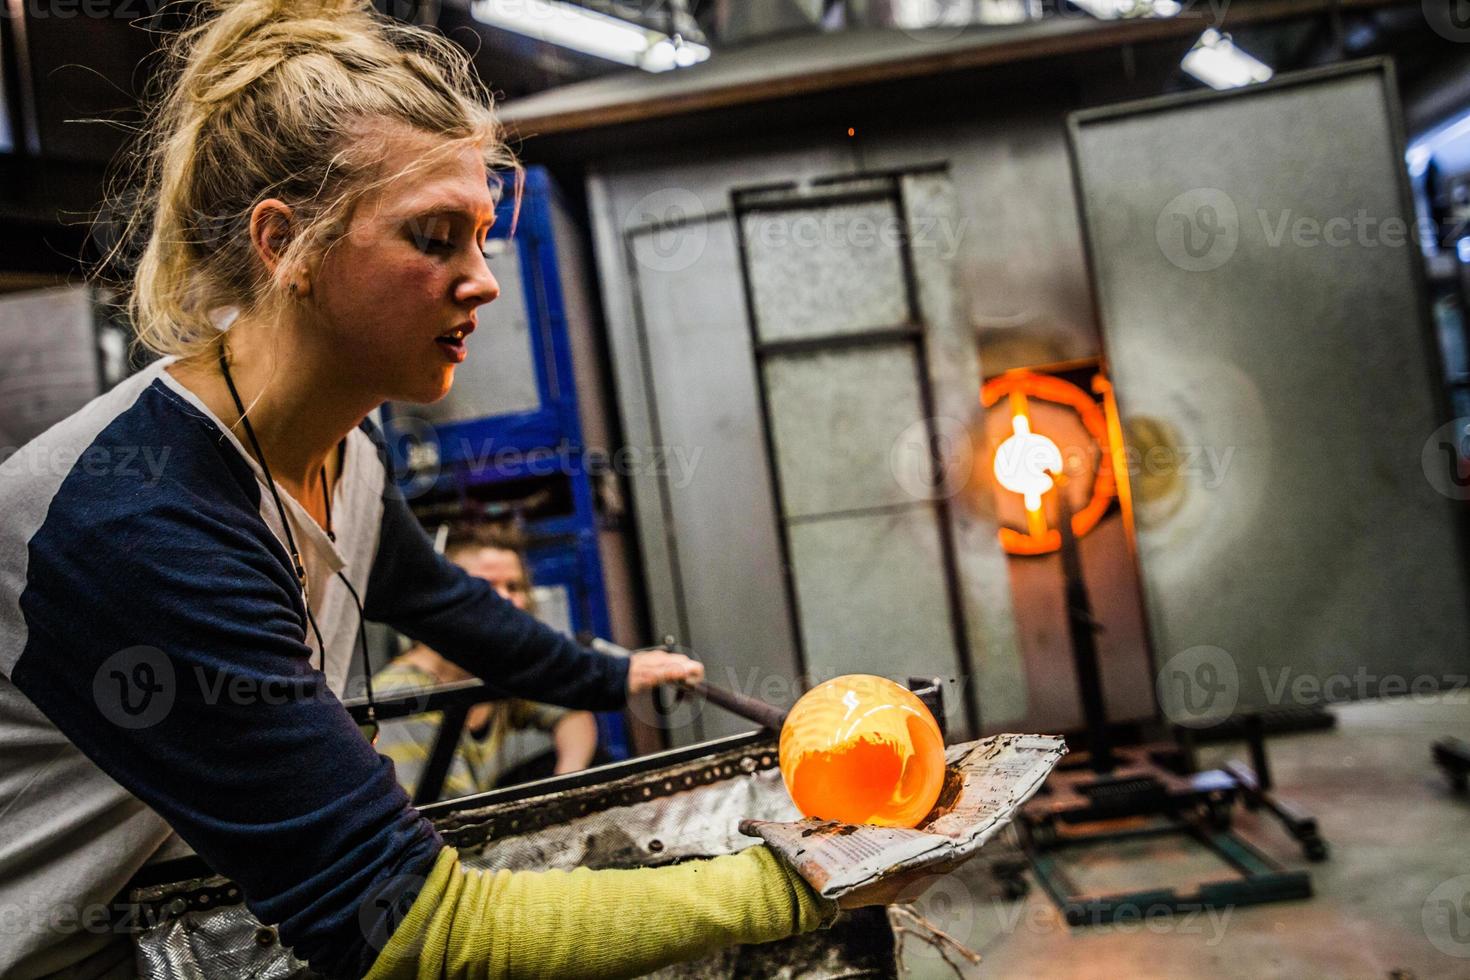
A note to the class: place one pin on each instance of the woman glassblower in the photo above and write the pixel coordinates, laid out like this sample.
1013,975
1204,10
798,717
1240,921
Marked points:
172,650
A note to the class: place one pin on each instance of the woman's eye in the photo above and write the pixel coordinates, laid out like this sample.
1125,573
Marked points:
437,245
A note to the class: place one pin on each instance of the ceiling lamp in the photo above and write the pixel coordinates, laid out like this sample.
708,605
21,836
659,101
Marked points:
1216,61
569,26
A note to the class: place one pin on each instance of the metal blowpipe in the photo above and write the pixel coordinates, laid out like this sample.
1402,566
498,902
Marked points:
743,705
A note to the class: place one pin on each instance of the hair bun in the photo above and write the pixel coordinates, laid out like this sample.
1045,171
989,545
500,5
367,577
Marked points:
265,98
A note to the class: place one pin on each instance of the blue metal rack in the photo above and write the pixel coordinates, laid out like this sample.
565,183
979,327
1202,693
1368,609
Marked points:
529,462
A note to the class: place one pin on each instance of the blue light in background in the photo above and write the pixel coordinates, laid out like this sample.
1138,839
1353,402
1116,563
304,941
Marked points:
7,139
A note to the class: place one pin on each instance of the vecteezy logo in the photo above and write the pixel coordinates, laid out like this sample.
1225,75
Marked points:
134,688
1446,459
415,442
1199,230
1450,19
911,458
1446,917
947,904
1199,687
385,905
668,228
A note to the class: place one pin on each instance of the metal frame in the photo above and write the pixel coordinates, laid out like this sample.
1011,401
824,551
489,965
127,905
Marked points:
830,192
1075,122
1259,880
1199,805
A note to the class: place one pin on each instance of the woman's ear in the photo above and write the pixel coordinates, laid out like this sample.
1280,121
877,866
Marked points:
272,230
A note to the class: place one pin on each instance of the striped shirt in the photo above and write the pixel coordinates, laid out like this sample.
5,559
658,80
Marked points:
156,678
479,759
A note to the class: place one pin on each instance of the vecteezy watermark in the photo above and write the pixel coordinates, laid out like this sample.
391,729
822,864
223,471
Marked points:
90,9
947,903
145,464
938,458
1198,687
415,443
847,230
1450,19
1444,459
782,690
1199,230
405,10
140,686
1445,917
1158,918
38,913
666,229
936,20
135,687
950,918
1337,231
921,473
1209,463
1289,686
1202,686
384,907
676,463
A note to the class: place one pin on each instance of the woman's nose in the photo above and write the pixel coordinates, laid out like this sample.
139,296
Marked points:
480,286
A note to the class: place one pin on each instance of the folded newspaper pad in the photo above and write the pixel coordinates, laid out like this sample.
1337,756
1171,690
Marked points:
985,781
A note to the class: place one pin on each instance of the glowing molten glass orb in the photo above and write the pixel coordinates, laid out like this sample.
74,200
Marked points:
1025,462
862,749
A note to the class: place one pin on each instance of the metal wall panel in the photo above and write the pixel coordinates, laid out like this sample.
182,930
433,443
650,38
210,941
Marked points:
1303,538
48,360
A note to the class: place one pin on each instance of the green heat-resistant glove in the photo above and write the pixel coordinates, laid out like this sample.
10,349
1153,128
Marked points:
582,923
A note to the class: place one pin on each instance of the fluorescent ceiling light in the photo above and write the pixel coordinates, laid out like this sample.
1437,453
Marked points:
1117,9
1216,61
1448,143
569,26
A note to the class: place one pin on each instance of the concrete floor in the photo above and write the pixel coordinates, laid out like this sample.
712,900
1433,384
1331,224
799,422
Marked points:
1392,900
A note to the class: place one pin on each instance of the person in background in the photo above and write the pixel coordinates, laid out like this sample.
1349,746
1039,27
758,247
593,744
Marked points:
482,757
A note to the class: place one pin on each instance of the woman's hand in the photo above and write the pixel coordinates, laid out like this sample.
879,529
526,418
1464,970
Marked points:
649,668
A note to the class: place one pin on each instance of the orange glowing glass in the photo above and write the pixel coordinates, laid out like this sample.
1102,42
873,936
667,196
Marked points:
862,749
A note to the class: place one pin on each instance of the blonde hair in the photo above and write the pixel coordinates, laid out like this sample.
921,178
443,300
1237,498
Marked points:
272,98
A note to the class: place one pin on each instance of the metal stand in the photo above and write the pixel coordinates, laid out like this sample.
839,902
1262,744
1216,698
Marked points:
1082,804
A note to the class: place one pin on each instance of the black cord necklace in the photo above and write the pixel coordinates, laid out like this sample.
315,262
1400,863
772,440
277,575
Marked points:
296,563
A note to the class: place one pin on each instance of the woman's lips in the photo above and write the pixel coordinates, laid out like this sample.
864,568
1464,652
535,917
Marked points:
453,349
453,342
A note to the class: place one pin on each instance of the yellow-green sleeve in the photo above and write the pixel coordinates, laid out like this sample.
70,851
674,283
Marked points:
513,924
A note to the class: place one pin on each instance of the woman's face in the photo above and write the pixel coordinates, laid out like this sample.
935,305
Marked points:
401,288
502,569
